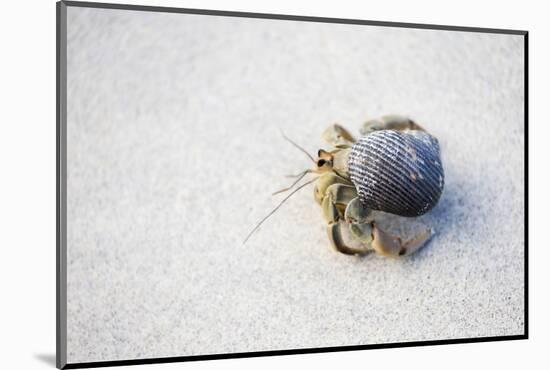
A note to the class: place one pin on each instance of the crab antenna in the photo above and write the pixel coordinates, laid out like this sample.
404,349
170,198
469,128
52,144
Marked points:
300,176
297,146
276,208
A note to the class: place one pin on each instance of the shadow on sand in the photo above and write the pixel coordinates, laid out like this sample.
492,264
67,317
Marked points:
47,358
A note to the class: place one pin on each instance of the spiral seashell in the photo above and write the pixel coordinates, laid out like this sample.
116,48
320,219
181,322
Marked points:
398,172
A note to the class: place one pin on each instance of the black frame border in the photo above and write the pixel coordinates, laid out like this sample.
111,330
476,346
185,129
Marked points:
61,176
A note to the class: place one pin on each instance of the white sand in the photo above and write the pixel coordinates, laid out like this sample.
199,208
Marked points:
174,148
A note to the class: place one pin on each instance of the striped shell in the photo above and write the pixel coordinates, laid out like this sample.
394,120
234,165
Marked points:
397,172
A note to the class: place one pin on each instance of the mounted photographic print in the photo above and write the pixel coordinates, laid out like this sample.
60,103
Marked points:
240,184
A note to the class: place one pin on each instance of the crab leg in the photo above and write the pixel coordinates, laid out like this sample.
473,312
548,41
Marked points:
336,198
337,241
390,122
327,179
337,136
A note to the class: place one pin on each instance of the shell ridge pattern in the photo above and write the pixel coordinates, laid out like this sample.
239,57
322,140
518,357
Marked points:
397,172
401,171
392,194
384,176
411,165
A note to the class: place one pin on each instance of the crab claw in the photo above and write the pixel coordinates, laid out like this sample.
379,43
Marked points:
393,246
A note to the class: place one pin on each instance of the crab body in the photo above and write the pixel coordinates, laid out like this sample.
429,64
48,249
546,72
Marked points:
394,167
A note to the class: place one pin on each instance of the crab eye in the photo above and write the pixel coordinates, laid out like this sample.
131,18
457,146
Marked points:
321,163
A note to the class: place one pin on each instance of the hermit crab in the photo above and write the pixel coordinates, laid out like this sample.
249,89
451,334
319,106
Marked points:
394,167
